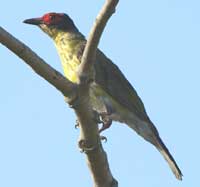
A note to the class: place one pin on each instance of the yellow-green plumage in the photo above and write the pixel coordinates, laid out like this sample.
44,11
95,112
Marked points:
68,48
110,89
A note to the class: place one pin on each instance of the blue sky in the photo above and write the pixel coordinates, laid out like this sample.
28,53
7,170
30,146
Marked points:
155,43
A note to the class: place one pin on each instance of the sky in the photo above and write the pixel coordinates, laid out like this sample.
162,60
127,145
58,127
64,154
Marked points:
155,43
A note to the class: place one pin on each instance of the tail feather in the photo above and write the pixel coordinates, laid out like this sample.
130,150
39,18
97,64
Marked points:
168,157
149,132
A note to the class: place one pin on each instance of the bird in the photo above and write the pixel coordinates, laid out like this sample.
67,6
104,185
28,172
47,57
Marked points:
111,95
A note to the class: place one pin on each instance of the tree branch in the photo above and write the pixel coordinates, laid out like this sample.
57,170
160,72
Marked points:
90,143
89,54
77,95
37,64
96,159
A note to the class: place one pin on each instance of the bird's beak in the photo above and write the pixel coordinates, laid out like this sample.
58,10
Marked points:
33,21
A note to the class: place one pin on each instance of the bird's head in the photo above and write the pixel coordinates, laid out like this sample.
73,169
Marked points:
52,23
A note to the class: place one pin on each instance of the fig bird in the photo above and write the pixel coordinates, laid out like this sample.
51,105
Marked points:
111,95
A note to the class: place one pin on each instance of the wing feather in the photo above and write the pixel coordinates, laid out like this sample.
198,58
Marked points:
109,77
112,80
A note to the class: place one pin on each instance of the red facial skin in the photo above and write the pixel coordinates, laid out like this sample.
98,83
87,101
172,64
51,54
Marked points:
52,18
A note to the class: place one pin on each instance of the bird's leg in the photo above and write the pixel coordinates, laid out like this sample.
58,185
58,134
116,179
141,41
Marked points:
98,120
105,118
96,117
107,122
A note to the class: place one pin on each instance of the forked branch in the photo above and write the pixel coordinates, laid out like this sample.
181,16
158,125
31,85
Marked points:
89,136
96,31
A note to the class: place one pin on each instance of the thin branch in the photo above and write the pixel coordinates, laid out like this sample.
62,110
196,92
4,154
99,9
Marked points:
37,64
89,54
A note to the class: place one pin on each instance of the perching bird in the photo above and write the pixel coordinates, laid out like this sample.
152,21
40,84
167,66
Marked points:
111,95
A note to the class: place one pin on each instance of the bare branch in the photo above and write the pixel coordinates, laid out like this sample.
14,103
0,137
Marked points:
89,137
37,64
96,158
91,144
89,54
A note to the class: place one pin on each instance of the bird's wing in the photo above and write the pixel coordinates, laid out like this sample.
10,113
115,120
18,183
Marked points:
109,77
112,80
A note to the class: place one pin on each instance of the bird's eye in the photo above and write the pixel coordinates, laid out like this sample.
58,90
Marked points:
52,17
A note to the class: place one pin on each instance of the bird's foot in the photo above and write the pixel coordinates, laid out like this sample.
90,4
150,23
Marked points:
103,138
86,147
96,117
106,121
77,125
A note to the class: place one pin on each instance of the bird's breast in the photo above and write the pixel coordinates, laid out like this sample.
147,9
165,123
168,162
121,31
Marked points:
69,60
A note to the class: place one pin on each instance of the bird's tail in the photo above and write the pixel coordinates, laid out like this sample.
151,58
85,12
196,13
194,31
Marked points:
168,157
149,132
